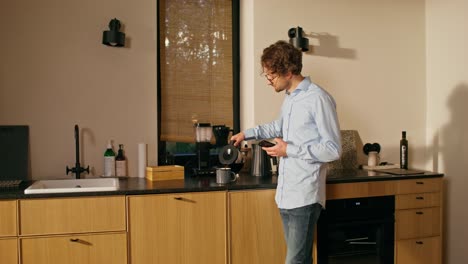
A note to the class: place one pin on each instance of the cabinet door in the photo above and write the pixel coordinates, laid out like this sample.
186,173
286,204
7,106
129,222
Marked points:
9,251
419,186
8,218
418,200
72,215
256,230
419,251
178,228
90,249
414,223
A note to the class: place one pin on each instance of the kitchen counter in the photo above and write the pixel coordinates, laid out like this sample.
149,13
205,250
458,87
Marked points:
135,186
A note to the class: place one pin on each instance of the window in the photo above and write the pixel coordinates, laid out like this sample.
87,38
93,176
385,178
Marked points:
198,68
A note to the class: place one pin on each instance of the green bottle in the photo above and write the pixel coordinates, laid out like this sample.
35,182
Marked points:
109,161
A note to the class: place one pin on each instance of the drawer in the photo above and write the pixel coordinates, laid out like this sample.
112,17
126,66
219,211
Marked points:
415,223
90,249
8,218
419,186
72,215
9,251
419,251
418,200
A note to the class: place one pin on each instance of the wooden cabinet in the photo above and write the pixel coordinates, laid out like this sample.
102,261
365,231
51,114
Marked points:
9,250
8,218
8,232
178,228
72,215
418,218
73,230
255,228
75,249
422,250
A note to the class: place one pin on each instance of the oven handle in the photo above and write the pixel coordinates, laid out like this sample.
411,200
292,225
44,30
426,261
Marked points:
357,222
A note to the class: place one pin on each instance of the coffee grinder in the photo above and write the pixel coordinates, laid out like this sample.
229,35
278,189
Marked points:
203,133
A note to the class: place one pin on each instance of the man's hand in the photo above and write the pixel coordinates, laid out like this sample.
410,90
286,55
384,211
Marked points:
238,138
279,150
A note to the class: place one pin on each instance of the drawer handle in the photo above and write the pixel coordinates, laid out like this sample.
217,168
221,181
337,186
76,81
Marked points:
419,198
419,182
77,240
184,199
419,242
419,213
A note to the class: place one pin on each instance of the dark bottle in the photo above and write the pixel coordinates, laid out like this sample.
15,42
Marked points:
120,163
403,151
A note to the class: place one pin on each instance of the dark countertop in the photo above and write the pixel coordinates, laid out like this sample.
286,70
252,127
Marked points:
135,186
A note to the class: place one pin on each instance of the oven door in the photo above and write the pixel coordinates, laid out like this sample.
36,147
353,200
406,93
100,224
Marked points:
363,241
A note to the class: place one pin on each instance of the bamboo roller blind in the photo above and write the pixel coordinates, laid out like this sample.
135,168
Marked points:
196,66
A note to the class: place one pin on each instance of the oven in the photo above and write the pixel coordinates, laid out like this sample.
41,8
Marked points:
357,230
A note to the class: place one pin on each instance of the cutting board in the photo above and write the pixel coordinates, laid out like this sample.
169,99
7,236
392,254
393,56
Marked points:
398,171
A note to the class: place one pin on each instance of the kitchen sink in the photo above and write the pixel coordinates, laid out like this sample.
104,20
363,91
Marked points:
73,185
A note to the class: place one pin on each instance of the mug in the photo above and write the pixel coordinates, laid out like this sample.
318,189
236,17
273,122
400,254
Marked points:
225,175
374,159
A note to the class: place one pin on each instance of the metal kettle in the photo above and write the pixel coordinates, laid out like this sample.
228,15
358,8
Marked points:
260,162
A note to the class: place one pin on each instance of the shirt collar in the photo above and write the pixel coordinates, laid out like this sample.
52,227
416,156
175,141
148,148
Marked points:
303,86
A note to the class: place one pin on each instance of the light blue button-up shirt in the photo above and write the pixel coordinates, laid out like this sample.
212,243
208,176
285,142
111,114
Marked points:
309,124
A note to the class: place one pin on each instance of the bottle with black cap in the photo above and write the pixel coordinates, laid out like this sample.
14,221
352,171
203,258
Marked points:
403,151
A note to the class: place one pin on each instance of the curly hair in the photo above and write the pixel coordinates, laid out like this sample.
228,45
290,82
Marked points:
282,58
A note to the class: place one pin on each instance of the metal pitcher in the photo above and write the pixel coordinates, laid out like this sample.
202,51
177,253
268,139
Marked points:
260,162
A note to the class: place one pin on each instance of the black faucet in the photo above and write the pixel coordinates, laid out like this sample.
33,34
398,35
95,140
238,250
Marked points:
77,169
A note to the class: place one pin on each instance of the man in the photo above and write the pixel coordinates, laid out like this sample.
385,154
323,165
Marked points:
307,135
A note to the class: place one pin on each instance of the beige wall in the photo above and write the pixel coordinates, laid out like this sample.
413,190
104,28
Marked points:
369,54
447,119
55,73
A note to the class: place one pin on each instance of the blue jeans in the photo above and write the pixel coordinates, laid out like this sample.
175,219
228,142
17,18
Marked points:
298,224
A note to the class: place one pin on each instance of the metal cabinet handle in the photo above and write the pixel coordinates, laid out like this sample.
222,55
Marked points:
178,198
419,198
74,239
419,213
419,242
419,182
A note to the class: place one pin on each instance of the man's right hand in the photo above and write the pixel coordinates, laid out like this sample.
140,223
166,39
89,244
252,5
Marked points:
238,138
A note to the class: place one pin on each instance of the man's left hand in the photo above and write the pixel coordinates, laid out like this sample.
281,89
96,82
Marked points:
278,150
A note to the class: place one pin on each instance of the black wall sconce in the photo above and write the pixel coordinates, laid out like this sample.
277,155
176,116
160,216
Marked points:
296,39
113,37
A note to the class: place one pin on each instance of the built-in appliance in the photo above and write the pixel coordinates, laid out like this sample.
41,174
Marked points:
14,155
357,231
203,133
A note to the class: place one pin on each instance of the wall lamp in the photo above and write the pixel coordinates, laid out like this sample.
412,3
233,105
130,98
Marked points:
296,39
113,37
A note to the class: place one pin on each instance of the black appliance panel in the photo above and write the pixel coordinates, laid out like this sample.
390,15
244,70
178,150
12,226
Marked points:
357,231
14,152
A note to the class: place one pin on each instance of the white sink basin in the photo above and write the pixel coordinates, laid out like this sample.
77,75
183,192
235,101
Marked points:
73,185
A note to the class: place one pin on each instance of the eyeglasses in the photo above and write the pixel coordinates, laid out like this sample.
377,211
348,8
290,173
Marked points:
269,78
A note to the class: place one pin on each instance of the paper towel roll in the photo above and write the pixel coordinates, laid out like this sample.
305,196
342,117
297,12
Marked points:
142,160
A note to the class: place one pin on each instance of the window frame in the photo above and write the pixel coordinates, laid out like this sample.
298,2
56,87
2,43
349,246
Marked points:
235,73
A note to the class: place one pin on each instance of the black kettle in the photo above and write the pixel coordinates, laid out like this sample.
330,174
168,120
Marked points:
230,156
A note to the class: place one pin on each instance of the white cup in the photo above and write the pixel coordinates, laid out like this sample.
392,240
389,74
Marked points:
225,175
373,159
